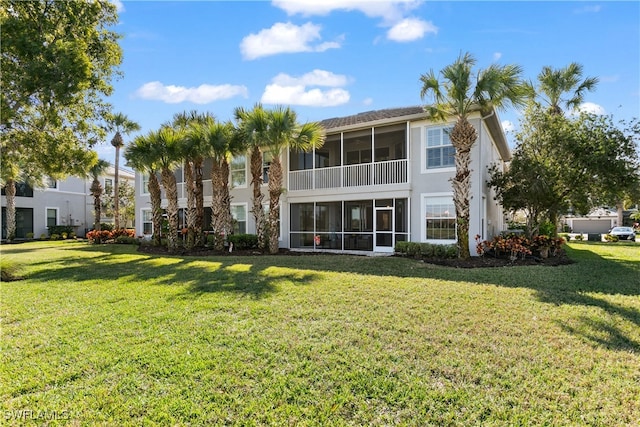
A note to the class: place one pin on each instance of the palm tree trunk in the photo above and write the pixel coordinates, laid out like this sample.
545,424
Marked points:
199,196
156,208
463,135
217,205
171,189
191,204
10,191
257,209
275,190
116,190
96,191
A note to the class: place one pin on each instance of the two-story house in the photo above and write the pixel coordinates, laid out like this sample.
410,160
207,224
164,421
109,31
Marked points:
61,202
380,177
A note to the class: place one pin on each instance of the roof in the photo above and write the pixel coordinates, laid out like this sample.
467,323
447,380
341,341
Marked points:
338,124
371,116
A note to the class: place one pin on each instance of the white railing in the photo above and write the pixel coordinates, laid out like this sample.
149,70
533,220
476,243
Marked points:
391,172
378,173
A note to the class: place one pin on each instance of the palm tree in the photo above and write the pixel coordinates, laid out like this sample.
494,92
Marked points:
121,124
193,152
142,154
459,95
564,87
252,128
284,132
221,143
96,189
166,141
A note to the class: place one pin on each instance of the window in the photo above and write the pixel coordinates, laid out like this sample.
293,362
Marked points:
22,190
145,184
52,183
439,151
108,185
238,169
239,215
267,157
439,215
52,217
147,222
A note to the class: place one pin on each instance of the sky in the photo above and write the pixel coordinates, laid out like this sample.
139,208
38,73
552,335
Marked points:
333,58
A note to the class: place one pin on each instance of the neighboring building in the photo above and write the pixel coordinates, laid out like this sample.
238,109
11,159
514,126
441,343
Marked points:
64,202
380,177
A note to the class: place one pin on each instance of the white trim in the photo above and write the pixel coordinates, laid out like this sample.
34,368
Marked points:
245,205
423,214
423,149
46,215
142,192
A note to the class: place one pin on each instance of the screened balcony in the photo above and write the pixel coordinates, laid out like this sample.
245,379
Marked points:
373,156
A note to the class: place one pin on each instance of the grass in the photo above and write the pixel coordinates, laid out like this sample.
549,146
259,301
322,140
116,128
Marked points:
104,335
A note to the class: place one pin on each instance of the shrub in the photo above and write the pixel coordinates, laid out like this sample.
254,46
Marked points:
54,237
611,238
43,236
59,230
29,235
106,226
243,241
547,228
579,237
127,240
414,249
125,232
64,235
95,236
401,247
427,250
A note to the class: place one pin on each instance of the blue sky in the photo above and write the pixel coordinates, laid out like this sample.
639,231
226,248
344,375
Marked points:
330,58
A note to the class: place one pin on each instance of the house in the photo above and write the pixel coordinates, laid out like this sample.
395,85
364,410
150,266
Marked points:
381,177
62,202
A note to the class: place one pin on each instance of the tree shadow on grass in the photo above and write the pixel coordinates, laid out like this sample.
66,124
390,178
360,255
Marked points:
196,276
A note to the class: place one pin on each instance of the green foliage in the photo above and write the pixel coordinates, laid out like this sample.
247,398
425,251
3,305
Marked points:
60,229
547,228
126,203
579,237
611,238
106,226
54,237
243,241
127,240
29,235
43,236
426,250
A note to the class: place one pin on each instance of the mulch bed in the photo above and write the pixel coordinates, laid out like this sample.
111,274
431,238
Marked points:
561,257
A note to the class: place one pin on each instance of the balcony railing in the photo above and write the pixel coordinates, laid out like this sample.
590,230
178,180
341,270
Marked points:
378,173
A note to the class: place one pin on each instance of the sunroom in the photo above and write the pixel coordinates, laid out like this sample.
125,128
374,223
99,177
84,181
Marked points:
366,157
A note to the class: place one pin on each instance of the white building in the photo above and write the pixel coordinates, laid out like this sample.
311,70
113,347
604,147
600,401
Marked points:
64,202
380,177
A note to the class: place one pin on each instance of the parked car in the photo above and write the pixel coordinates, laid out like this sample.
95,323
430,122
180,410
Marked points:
623,233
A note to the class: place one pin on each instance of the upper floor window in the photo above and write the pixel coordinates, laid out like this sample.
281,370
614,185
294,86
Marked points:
22,190
108,185
145,183
238,169
439,151
267,158
52,183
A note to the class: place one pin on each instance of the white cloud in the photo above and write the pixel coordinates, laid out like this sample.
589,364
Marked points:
313,78
367,101
508,126
119,5
284,38
290,90
389,10
589,9
410,29
497,56
590,107
202,94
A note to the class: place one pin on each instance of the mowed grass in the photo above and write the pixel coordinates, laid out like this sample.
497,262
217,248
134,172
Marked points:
104,335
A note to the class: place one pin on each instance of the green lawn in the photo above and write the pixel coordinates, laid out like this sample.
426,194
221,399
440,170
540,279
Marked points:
109,336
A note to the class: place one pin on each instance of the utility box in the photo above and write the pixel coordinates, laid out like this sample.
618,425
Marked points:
592,237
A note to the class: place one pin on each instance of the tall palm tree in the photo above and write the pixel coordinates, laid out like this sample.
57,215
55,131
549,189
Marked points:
166,141
222,144
142,154
122,125
460,94
96,189
193,152
252,127
564,87
284,132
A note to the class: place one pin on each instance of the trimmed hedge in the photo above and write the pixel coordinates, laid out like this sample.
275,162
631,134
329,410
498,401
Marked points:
59,230
243,241
426,250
